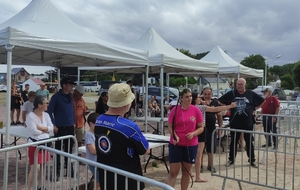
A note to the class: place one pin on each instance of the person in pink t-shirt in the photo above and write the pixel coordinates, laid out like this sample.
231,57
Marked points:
185,123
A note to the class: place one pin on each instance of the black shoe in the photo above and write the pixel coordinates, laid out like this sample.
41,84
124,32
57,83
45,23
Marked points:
229,163
275,148
41,188
19,123
252,164
13,123
213,169
266,145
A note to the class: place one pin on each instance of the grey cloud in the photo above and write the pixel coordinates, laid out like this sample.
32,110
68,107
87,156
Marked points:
240,27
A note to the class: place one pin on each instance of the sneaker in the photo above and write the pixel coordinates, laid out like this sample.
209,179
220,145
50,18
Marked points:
41,188
229,163
253,165
213,169
266,145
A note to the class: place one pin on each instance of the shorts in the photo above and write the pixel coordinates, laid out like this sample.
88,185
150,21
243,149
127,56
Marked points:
209,137
92,169
43,156
179,154
79,133
15,103
202,136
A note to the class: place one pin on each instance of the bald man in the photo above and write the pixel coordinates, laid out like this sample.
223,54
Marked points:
241,118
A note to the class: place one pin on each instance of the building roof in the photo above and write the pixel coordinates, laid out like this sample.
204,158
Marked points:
37,81
15,71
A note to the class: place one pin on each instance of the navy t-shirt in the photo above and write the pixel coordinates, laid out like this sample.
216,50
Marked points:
119,142
241,116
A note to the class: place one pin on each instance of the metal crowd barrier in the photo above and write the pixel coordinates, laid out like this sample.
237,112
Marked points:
82,175
287,123
16,175
280,171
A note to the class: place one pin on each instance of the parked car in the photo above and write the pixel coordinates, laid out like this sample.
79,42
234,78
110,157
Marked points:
275,91
3,88
155,90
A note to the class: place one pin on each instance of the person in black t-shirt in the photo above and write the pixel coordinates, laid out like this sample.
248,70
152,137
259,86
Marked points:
209,127
119,141
102,106
24,97
242,118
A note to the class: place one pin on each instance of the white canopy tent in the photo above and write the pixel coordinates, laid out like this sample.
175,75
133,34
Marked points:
163,58
229,67
42,35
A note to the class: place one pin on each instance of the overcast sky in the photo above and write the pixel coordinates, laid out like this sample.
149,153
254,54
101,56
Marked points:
241,28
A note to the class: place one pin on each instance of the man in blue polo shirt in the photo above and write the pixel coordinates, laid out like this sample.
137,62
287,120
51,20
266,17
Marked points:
61,111
119,141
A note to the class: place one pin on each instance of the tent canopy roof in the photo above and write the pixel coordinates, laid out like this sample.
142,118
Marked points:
44,36
229,67
162,53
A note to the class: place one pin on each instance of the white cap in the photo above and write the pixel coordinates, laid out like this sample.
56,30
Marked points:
80,89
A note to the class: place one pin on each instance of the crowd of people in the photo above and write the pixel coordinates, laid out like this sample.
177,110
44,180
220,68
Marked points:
117,141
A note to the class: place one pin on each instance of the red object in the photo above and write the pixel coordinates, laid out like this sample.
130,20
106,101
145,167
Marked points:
270,105
43,156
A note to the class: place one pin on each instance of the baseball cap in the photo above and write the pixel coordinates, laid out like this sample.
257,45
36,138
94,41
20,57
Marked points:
80,89
119,95
66,81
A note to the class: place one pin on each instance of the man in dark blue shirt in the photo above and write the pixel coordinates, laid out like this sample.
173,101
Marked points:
119,141
61,111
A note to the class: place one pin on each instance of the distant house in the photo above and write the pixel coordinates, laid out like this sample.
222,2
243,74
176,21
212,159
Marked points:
34,84
19,75
212,83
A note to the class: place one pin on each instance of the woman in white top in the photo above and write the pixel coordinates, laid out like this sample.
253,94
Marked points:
39,126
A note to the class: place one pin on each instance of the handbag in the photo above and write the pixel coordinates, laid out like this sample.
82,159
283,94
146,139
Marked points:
48,144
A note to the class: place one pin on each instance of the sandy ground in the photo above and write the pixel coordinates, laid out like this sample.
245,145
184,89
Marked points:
271,173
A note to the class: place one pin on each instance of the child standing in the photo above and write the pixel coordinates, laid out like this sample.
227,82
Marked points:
90,145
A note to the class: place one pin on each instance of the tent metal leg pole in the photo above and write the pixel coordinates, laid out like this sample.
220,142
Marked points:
78,77
162,99
9,49
146,97
218,83
58,77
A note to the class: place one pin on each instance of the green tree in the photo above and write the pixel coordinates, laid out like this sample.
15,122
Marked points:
186,52
288,68
201,55
276,70
254,61
296,73
287,81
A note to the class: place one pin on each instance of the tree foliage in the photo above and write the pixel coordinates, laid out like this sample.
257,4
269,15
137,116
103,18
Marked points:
254,61
296,73
201,55
186,52
287,81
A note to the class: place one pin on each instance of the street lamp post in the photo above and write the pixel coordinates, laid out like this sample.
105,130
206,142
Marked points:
266,69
